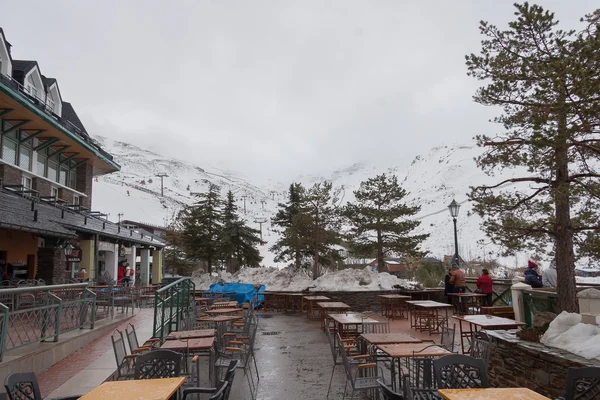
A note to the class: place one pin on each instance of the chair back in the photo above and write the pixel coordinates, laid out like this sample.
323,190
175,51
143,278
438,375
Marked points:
22,386
229,376
220,393
480,346
376,327
157,364
334,353
342,354
132,338
447,336
389,394
119,347
583,383
459,371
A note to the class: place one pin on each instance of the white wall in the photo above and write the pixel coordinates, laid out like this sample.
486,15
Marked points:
6,64
37,80
112,261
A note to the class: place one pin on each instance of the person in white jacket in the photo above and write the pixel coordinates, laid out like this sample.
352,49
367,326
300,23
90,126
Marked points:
549,275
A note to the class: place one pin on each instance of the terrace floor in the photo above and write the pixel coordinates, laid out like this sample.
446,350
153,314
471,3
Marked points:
293,356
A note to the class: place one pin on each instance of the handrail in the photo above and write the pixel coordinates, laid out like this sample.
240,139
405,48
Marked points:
47,288
173,284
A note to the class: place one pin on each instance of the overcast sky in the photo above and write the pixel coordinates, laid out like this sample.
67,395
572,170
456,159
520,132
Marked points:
274,88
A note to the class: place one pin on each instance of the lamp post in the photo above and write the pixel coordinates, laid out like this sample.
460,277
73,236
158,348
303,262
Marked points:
68,249
454,207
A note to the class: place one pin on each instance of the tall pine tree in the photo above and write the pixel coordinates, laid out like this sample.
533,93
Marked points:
379,221
291,245
547,81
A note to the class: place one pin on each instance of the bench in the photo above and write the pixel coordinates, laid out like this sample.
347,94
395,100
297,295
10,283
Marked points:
499,311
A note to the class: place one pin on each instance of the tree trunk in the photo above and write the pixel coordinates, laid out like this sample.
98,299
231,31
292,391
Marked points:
565,259
316,250
380,258
209,263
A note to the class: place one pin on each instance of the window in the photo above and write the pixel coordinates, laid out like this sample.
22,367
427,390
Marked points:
31,86
41,164
9,150
62,179
52,169
54,192
26,182
25,157
76,200
50,102
72,179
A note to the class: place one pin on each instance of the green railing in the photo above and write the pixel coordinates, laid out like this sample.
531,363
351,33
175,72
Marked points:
537,301
502,295
173,304
46,314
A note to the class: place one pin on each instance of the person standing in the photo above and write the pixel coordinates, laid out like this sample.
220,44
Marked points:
484,283
457,278
532,275
448,286
549,275
128,274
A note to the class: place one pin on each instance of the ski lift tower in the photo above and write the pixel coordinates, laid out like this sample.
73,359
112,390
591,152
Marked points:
260,221
162,175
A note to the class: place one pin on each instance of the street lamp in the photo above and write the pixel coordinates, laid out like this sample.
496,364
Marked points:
68,249
454,207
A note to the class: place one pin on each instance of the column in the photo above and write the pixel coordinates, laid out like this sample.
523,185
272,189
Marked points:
145,266
111,260
517,300
157,266
131,261
51,265
87,258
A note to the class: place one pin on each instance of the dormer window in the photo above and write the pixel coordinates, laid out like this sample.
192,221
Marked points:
31,86
50,102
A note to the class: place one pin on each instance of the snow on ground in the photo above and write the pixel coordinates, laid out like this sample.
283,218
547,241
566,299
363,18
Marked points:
291,279
567,332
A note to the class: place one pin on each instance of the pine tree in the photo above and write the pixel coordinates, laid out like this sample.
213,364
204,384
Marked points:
200,225
379,221
547,81
291,245
319,225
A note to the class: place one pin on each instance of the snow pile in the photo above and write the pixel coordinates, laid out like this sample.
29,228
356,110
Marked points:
567,332
292,279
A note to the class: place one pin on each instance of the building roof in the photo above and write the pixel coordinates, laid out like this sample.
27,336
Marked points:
8,45
19,213
23,65
69,114
48,81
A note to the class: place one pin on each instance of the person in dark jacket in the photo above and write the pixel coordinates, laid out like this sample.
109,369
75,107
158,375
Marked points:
448,286
532,275
484,283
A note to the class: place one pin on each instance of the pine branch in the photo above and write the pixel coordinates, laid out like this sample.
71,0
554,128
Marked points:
512,180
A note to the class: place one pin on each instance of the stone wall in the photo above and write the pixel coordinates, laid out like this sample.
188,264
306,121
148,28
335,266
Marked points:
51,265
516,363
9,175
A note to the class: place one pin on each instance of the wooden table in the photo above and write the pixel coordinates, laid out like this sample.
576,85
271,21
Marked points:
487,322
347,324
224,304
392,304
375,339
330,307
223,311
425,315
468,301
409,350
145,389
421,294
491,394
295,301
311,300
191,345
198,333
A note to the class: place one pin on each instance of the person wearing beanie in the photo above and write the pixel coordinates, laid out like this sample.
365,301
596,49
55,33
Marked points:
532,275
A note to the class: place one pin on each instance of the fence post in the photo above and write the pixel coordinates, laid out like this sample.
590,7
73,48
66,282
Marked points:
82,308
58,316
5,317
93,311
154,331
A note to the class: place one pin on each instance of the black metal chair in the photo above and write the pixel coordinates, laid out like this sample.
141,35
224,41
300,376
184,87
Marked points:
389,394
125,363
229,376
157,364
583,383
24,386
459,371
134,345
480,346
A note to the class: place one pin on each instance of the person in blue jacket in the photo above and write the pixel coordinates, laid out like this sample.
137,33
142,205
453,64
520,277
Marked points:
532,275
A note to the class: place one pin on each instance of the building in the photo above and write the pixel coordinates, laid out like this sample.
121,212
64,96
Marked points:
156,230
48,228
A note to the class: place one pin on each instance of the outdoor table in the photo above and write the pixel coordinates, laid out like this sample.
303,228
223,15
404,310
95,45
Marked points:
223,311
397,352
295,301
490,394
470,302
331,307
269,300
225,304
425,315
376,339
422,294
143,389
390,303
311,300
347,324
203,345
198,333
487,322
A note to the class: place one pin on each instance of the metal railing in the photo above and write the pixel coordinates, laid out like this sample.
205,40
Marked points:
50,311
502,295
173,304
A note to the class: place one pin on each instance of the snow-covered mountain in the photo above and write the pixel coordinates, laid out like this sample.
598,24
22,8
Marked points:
432,179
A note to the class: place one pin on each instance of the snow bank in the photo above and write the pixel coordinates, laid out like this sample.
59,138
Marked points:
291,279
567,332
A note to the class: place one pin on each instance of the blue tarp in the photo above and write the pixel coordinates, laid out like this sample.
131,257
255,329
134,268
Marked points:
244,292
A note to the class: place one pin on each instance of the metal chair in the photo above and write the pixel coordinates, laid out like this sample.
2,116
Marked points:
219,391
24,386
158,364
125,362
447,337
376,327
134,344
459,371
583,383
243,351
362,376
388,394
229,376
480,346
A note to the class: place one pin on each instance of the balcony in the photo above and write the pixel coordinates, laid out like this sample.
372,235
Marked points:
42,106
